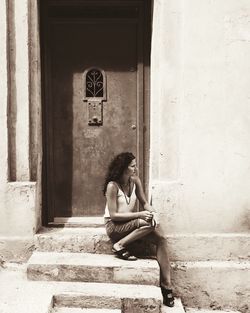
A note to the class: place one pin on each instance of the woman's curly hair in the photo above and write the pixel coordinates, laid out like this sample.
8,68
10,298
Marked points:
117,167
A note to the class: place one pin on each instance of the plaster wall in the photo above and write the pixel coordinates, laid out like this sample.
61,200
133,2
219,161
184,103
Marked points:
200,115
19,196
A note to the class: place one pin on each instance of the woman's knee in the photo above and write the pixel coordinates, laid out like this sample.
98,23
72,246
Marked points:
143,223
160,238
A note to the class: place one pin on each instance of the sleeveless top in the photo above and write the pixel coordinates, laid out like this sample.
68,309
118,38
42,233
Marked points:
122,205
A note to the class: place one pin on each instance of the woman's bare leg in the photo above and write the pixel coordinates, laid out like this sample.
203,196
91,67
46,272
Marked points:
162,250
144,229
163,258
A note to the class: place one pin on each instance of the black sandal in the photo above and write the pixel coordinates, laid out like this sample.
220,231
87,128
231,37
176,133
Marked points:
124,254
168,298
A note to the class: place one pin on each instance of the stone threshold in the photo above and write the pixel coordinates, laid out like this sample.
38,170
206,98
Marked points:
87,221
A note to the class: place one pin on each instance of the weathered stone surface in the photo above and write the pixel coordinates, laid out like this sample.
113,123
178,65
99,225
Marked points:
148,305
182,247
90,240
16,249
214,285
91,268
76,310
87,301
18,214
193,310
17,294
127,305
111,296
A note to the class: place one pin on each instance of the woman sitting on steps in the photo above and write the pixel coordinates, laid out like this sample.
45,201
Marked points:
125,225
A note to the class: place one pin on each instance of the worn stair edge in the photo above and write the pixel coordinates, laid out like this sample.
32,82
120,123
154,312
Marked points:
182,247
88,240
195,310
127,305
84,310
87,267
178,308
109,295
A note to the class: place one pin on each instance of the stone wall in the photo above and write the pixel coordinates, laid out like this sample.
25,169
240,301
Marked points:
200,115
20,111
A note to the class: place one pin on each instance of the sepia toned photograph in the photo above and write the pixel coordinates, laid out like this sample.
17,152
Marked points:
125,156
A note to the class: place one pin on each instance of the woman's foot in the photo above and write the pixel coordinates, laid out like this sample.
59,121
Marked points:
168,298
122,253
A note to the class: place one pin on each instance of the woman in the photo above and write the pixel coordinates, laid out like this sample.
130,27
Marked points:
124,224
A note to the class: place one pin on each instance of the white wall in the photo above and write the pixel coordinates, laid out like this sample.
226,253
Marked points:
200,125
18,210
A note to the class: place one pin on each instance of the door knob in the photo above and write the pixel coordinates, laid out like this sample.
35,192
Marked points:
133,126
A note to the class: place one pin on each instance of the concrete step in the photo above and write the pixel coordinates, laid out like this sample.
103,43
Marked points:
207,284
87,267
84,310
193,310
178,308
21,295
86,239
182,247
213,284
127,298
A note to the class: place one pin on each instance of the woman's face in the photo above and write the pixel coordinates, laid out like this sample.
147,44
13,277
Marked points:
132,169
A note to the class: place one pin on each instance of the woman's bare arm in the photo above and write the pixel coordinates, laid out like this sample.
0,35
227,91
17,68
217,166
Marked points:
141,195
111,195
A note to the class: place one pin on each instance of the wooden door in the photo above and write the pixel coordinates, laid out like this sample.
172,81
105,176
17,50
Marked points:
78,151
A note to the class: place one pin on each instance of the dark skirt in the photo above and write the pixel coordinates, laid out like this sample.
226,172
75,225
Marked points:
118,230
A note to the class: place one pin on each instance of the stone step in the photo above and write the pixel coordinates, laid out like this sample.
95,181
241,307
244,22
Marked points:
84,310
21,295
193,310
213,284
207,284
127,298
88,267
182,247
127,305
88,239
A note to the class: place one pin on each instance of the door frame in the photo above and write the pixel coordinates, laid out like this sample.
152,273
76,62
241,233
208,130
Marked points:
143,100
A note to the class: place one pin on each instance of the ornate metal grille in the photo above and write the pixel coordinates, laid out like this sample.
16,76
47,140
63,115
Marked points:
94,83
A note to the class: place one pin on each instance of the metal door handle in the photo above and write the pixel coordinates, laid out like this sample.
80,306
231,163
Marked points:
133,126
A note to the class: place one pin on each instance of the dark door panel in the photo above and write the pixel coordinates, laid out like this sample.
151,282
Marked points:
77,153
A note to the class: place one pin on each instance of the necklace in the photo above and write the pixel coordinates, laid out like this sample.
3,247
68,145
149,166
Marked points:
127,198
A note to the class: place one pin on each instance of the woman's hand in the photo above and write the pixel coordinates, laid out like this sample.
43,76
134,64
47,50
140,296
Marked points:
145,215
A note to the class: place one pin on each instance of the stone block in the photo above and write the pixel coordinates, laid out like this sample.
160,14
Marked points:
214,285
87,267
86,301
109,296
182,247
148,305
84,310
126,305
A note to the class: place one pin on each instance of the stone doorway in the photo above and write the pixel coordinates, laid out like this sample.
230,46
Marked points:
85,46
